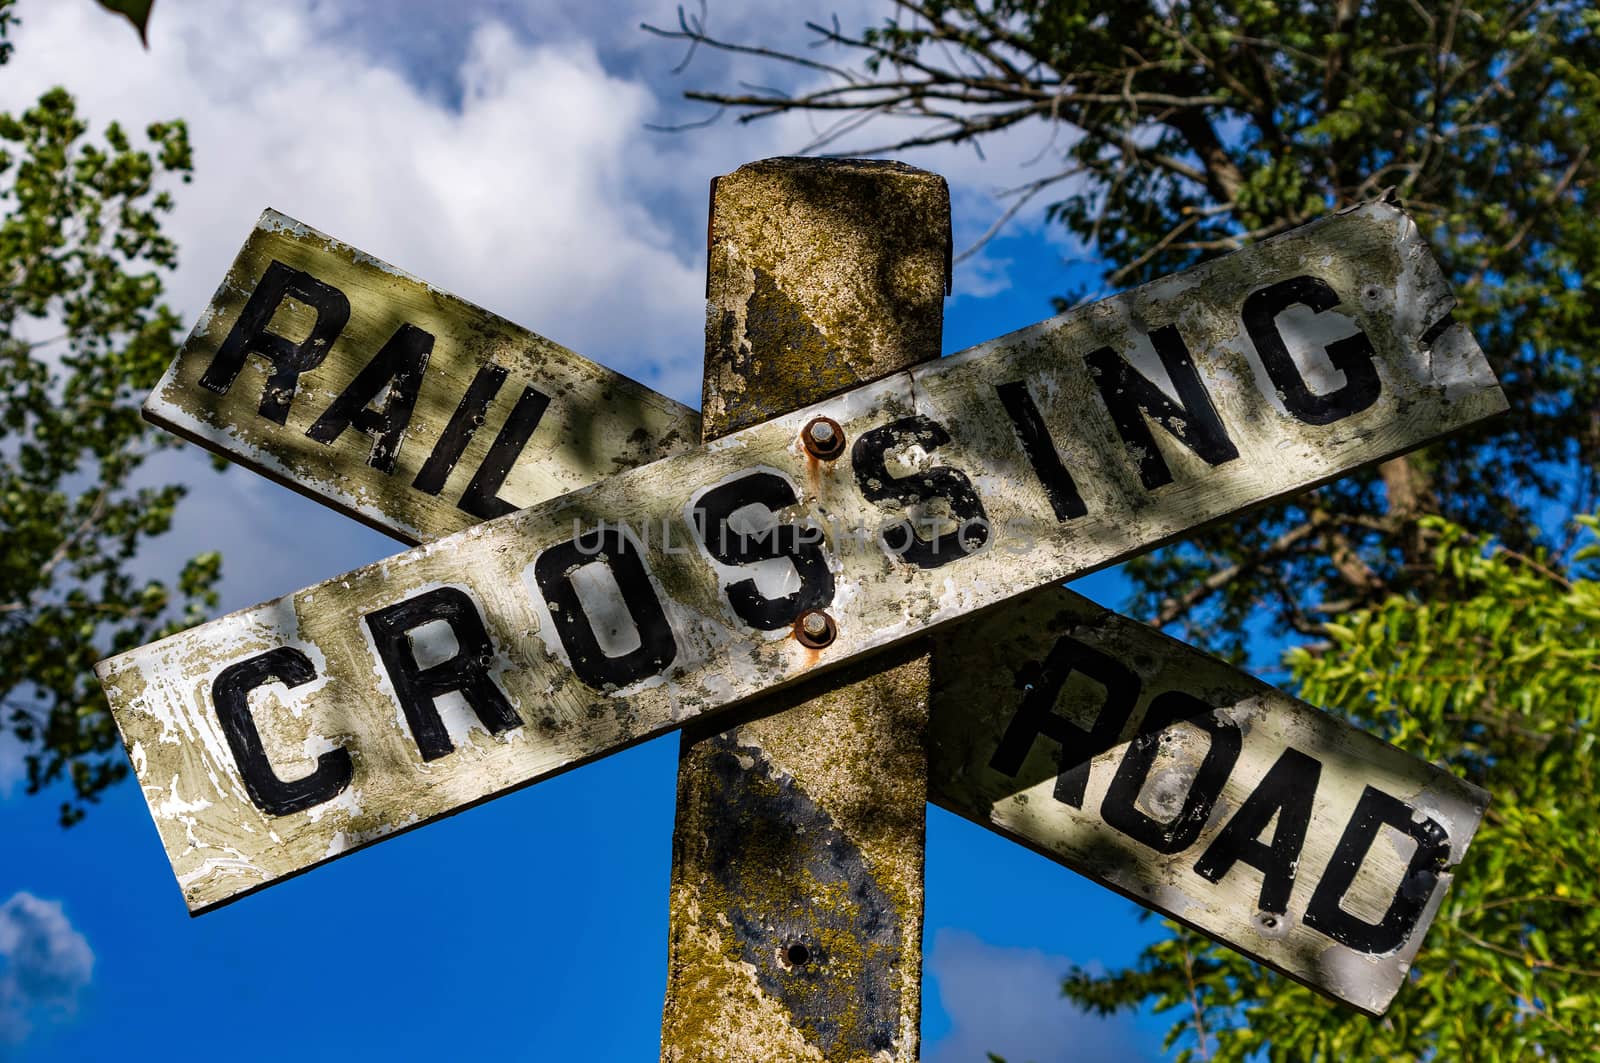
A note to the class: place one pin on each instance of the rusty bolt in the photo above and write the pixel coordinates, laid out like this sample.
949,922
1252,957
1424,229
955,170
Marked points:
823,438
815,629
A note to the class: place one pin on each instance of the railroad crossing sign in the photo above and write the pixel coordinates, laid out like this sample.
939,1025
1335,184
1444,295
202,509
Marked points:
283,735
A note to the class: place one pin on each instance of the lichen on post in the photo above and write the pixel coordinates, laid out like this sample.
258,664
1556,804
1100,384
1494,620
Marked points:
797,865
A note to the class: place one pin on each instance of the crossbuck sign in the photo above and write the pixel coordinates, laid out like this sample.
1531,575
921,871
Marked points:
701,577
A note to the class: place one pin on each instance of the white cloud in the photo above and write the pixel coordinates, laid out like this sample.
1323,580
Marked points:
531,186
520,198
497,150
524,194
1008,1001
44,964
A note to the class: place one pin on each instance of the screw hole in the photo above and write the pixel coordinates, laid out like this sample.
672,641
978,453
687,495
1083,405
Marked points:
798,955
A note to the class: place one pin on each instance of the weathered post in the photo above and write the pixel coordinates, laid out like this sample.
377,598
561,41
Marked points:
797,862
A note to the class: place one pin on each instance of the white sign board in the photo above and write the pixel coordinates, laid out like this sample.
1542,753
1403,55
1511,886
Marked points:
401,405
1197,790
286,734
1036,702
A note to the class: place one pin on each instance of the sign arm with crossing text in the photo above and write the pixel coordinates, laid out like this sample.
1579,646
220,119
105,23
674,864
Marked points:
595,619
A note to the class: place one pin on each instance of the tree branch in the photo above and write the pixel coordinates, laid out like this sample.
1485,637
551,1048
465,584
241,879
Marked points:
1172,608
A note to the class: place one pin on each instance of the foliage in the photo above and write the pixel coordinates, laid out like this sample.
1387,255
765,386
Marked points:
1183,129
1500,683
135,11
83,336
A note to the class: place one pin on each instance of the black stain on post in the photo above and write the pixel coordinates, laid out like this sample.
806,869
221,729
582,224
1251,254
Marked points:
780,350
790,911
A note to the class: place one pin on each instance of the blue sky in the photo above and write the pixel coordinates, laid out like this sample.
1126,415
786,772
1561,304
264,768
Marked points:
498,150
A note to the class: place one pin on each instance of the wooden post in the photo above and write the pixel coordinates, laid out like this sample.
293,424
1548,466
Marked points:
797,856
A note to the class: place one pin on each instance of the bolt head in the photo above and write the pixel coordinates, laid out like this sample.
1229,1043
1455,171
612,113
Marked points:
814,628
823,438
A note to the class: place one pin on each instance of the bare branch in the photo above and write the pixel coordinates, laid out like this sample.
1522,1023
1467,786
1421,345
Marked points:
1020,198
1155,249
696,36
1551,200
1173,608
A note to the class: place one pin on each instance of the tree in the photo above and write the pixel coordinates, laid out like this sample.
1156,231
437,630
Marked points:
1183,129
83,337
1498,681
1194,127
136,12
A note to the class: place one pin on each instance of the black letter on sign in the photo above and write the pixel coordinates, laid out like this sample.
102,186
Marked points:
467,670
1375,810
481,498
399,366
1130,397
289,360
554,572
1059,486
231,693
710,514
1037,715
1286,791
942,482
1352,355
1222,751
459,432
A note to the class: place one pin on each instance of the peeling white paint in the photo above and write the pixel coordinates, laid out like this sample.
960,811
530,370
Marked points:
598,420
972,709
161,692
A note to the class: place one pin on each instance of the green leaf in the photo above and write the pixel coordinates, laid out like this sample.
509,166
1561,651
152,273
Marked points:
135,11
82,248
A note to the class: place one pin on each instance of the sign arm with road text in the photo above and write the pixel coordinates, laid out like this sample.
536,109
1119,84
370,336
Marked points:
286,734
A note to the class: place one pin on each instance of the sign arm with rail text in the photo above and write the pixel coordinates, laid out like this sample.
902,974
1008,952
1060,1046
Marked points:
590,621
405,407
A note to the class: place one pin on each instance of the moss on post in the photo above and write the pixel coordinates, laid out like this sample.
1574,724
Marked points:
796,919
